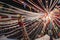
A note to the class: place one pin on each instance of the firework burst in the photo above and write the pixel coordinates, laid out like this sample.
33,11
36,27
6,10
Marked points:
46,10
49,9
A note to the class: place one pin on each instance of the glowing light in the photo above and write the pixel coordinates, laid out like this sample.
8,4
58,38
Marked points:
50,14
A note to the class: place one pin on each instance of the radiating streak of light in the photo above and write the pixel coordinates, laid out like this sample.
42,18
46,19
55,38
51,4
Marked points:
19,36
14,33
37,30
28,5
54,3
35,5
50,4
10,27
36,24
7,14
9,22
57,19
58,7
16,8
31,15
33,26
19,28
40,2
34,29
6,11
13,27
10,9
44,25
25,11
47,4
29,23
5,19
57,23
20,12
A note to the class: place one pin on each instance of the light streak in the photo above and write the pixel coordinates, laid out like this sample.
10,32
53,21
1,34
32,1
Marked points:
46,14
